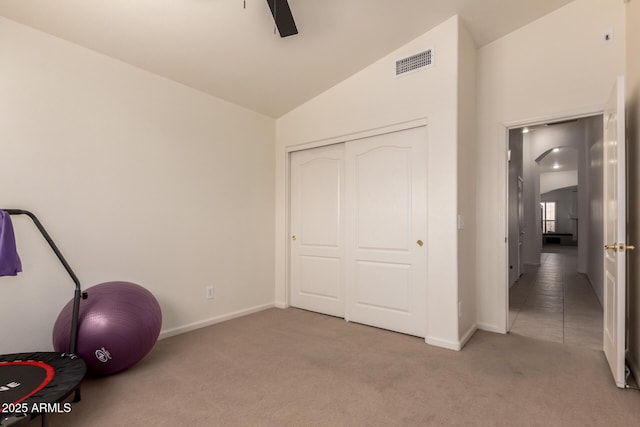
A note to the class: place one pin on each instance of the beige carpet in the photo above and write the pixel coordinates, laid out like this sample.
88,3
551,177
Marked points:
296,368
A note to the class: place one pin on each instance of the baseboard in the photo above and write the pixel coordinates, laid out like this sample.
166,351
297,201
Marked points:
466,337
281,305
490,328
450,345
212,321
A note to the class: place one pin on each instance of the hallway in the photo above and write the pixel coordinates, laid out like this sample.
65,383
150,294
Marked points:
553,302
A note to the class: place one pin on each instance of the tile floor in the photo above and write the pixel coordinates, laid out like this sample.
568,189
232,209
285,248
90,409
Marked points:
555,303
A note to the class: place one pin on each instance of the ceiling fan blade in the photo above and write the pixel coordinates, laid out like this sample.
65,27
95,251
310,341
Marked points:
283,17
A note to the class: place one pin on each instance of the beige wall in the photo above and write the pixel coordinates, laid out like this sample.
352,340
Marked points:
136,178
633,185
554,67
372,99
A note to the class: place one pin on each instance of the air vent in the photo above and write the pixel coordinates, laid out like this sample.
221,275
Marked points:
414,62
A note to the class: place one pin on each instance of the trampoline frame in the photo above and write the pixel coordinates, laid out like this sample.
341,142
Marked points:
77,296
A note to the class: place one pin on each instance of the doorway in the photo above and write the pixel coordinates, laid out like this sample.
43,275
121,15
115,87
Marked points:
555,237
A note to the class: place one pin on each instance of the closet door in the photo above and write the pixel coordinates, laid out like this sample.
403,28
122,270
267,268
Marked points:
317,255
386,224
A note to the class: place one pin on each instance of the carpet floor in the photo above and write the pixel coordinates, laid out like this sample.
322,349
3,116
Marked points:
296,368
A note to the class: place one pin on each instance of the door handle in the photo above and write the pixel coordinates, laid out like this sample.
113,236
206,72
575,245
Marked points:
419,243
620,247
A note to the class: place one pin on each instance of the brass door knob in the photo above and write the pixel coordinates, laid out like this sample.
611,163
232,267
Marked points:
293,237
419,243
614,246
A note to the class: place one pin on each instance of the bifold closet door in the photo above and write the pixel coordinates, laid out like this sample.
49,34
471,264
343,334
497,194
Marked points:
385,231
317,254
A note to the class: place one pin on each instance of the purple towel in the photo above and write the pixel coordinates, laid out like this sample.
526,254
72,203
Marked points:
10,264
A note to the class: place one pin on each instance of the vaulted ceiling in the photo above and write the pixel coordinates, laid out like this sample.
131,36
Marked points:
229,49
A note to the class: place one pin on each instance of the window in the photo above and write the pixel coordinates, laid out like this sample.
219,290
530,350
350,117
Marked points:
548,217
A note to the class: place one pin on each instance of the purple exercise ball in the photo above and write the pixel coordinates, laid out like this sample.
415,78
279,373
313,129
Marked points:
118,324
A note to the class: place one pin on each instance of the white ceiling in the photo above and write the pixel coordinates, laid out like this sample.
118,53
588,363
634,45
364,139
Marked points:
220,47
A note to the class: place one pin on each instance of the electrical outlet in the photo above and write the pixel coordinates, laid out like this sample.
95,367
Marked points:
209,292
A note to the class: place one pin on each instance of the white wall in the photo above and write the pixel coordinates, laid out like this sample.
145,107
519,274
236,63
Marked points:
467,182
136,178
515,173
531,239
633,147
592,222
371,99
553,67
550,181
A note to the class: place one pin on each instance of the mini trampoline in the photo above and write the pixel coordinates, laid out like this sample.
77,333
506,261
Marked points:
36,384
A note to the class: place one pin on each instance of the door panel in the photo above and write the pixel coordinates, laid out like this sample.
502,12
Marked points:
385,218
383,195
317,256
320,277
615,234
383,286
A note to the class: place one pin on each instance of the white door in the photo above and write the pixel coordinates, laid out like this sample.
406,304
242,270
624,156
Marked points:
317,256
615,233
386,224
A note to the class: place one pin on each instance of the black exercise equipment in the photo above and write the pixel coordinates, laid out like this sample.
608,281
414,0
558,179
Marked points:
36,384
